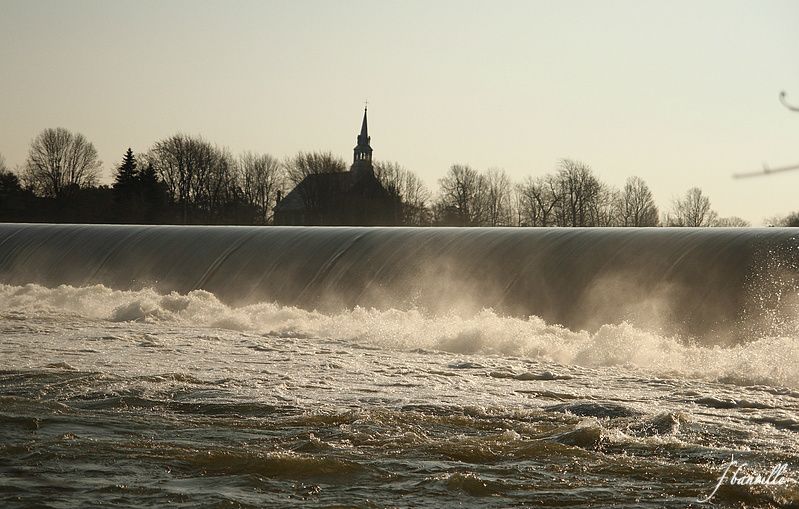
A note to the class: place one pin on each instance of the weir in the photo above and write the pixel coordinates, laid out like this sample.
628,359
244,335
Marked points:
712,283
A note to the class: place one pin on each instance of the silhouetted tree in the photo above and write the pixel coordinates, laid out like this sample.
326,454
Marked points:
791,220
310,163
603,211
127,193
731,222
636,206
692,210
89,204
462,198
579,192
199,176
537,200
408,188
15,202
318,192
444,215
260,178
9,183
127,175
154,196
60,161
497,197
219,197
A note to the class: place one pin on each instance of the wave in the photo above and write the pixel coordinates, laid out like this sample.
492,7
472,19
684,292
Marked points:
766,360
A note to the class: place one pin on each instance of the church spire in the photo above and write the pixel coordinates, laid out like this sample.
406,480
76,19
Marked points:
364,128
362,154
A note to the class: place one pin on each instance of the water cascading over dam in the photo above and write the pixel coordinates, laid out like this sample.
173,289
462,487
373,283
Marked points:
321,367
712,283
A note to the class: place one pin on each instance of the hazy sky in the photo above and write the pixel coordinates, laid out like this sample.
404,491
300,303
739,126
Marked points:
681,93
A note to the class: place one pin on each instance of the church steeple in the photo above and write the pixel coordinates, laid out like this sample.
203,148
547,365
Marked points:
364,129
362,154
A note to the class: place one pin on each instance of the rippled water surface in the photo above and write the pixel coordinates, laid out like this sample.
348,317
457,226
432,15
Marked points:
142,399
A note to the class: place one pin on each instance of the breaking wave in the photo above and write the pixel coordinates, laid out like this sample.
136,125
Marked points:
769,360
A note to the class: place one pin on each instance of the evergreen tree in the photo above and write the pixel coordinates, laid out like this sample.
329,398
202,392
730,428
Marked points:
126,177
126,190
11,195
154,196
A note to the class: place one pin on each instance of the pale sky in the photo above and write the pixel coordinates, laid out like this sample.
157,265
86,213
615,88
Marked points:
680,93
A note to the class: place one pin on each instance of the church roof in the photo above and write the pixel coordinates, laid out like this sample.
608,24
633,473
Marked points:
330,182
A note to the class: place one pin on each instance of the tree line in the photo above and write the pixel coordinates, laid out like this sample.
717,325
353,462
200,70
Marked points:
186,179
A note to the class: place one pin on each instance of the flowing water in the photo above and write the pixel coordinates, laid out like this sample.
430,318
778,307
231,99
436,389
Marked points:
328,367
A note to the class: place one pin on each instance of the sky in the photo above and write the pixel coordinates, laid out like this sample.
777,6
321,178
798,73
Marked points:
679,93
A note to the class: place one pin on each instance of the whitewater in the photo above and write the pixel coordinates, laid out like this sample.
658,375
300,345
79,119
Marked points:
330,367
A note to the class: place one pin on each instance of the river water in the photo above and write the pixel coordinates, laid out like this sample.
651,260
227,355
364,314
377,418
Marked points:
205,367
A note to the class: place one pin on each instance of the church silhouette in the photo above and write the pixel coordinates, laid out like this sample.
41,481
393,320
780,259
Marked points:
351,198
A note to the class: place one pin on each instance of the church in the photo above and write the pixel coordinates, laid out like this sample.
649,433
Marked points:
351,198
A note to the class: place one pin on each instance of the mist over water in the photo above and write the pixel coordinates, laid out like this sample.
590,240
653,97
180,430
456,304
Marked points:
766,359
710,283
241,367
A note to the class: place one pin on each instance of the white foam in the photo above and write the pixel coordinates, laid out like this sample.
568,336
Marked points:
766,360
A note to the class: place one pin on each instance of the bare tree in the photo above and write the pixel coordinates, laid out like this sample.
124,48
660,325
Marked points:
199,176
59,161
578,190
498,204
692,210
791,220
603,209
732,222
636,204
180,161
390,174
462,196
310,163
409,188
218,187
316,193
537,200
260,177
